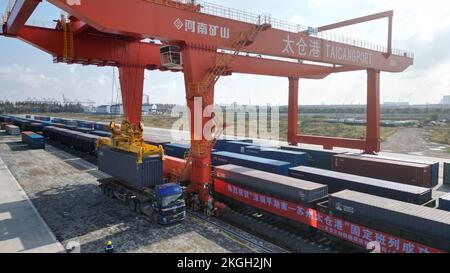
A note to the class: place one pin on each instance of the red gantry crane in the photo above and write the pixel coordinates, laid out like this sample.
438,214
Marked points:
205,41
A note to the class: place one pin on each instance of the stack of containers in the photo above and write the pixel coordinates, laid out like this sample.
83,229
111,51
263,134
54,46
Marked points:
36,127
421,220
294,158
12,130
318,158
257,163
341,181
33,140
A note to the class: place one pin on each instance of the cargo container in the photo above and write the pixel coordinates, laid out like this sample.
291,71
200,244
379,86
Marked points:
12,130
237,147
221,144
283,187
404,158
70,127
86,143
28,116
84,130
294,158
36,127
85,124
341,181
33,140
425,221
102,126
444,202
176,150
257,163
397,171
68,137
447,173
124,166
101,134
318,158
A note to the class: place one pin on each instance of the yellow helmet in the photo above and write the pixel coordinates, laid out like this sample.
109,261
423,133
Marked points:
109,243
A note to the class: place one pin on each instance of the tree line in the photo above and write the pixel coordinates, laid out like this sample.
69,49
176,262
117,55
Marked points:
29,107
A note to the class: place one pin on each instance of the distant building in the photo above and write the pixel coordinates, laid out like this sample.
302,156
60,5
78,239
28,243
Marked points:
117,109
103,109
445,100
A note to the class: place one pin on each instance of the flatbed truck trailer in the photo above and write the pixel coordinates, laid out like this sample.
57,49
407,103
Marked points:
164,204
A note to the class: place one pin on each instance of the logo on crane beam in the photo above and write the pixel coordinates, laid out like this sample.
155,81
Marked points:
202,28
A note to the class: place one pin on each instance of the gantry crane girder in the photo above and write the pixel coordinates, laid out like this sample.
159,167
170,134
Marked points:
111,33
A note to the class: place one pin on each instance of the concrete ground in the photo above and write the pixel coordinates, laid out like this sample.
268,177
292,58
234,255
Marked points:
63,187
21,227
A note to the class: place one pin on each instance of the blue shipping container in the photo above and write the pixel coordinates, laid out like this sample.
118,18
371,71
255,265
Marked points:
237,146
102,126
101,133
318,158
176,150
33,140
221,144
294,158
252,162
444,202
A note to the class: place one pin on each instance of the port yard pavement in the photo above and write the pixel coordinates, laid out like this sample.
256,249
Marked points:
63,186
21,227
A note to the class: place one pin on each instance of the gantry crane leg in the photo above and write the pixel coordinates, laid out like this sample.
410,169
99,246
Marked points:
197,63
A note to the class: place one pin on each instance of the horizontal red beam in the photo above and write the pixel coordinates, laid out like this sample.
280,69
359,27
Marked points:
330,142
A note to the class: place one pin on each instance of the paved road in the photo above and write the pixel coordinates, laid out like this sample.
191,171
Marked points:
414,141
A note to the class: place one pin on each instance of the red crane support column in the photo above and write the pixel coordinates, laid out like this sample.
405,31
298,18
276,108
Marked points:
373,138
197,63
132,88
293,112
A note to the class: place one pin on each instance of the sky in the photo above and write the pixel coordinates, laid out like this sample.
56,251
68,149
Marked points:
422,27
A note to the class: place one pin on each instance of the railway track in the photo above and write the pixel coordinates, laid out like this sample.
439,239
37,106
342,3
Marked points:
274,230
249,240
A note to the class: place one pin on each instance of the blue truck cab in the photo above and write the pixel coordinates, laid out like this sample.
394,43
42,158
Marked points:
169,206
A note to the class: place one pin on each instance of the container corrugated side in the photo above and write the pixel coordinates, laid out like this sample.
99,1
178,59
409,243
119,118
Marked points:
337,181
446,173
257,163
405,158
410,217
318,158
286,188
176,150
397,171
124,167
12,130
294,158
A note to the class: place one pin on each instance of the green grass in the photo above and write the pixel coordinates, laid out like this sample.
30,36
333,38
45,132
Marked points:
309,126
440,135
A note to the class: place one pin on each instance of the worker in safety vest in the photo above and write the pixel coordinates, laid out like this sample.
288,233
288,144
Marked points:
109,248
